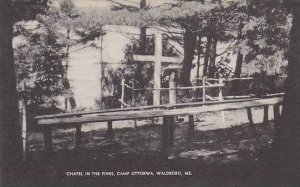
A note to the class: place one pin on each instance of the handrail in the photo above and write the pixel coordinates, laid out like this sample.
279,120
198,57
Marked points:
181,88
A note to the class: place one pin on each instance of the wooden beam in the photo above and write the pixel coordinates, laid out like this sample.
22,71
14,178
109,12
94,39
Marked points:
129,115
181,88
164,59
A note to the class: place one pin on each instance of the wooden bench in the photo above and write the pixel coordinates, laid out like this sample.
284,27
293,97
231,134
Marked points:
168,112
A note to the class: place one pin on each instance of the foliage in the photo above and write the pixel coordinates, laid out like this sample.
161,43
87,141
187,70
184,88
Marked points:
39,55
267,39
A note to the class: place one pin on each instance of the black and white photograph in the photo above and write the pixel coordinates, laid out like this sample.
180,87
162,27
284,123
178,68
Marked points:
150,93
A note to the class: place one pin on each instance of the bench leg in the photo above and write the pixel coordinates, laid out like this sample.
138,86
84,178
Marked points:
109,129
78,136
276,112
171,129
135,124
48,140
191,121
167,138
249,114
266,114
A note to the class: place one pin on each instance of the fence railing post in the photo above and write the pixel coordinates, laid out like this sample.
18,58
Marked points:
203,92
123,93
172,91
221,98
24,123
221,89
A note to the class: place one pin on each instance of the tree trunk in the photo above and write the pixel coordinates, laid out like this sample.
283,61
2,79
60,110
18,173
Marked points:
207,54
199,51
238,66
143,4
237,74
189,45
143,32
287,137
10,132
143,40
240,57
213,55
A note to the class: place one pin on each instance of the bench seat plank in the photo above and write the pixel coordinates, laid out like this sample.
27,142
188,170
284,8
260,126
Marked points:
129,115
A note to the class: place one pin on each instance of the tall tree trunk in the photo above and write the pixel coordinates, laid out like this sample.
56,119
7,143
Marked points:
207,54
67,54
238,66
239,63
189,44
143,32
199,51
10,132
143,4
287,137
143,40
237,74
213,55
240,57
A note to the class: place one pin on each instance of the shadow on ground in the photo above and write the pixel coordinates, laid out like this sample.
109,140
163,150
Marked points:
235,156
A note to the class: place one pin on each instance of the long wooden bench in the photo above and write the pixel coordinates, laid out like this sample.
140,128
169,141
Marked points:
168,112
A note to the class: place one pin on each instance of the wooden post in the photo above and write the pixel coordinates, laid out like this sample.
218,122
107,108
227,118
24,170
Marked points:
266,114
123,93
109,127
157,68
171,128
101,71
172,92
135,124
24,123
24,128
191,120
78,135
220,90
48,139
168,130
276,112
133,93
134,101
221,99
164,138
203,92
249,114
